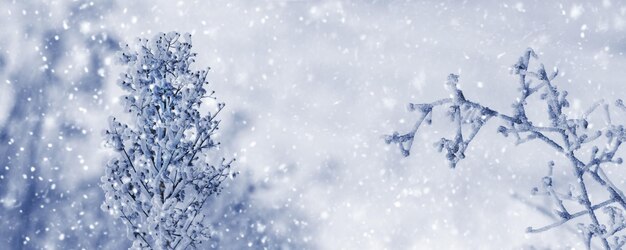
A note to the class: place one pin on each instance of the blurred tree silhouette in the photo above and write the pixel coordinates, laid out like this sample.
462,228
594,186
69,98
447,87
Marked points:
38,136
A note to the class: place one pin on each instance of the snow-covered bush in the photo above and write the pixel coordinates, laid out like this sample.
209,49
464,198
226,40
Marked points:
163,173
586,149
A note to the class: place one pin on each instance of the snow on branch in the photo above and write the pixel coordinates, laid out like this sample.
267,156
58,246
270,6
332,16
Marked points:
162,175
565,135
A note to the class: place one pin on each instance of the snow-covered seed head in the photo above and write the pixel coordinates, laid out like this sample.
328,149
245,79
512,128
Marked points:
453,80
157,161
594,150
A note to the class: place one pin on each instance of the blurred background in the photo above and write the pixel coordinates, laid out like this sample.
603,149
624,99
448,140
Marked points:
310,89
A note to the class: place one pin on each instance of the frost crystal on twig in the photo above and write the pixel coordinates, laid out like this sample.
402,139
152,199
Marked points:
567,136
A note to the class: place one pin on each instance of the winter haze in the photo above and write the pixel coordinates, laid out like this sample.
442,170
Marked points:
311,88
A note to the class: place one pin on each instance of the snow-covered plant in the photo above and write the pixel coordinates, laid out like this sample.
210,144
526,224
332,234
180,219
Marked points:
163,174
573,138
